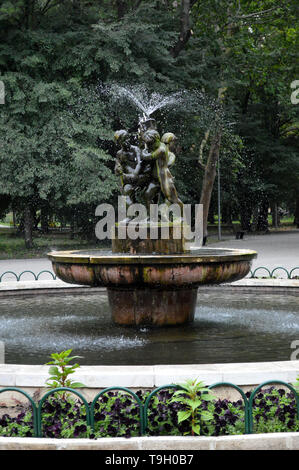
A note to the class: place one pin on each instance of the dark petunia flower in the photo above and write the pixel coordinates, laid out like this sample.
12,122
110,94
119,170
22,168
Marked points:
99,416
79,429
167,427
4,421
290,423
111,430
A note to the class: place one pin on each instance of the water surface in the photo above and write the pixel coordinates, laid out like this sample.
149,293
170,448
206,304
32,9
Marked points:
228,327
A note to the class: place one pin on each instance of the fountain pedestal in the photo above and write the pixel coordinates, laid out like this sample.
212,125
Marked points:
161,238
165,304
156,307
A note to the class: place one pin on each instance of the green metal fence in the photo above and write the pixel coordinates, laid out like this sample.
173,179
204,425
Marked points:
263,270
35,276
37,411
274,272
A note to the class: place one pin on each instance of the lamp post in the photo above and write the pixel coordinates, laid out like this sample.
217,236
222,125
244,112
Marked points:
219,199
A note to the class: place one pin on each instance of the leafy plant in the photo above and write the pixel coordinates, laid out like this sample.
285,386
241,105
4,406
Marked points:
193,395
61,369
296,385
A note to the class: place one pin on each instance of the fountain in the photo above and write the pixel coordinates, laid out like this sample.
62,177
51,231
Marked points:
153,279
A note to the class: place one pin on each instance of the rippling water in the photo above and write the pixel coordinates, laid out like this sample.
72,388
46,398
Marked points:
227,328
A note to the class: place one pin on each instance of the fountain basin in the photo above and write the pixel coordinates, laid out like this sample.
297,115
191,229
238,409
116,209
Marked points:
152,289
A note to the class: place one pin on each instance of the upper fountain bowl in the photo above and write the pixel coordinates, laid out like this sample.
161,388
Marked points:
107,269
152,289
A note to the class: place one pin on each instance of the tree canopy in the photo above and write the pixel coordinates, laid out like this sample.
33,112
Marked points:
236,59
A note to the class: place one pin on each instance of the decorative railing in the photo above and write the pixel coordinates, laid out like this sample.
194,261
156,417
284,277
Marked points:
262,270
37,410
35,276
271,273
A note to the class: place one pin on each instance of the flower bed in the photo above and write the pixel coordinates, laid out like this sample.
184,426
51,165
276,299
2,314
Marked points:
117,414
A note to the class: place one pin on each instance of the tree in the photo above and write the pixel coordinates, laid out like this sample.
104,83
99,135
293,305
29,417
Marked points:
59,57
47,146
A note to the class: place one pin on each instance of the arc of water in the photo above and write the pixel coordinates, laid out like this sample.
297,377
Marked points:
155,102
127,93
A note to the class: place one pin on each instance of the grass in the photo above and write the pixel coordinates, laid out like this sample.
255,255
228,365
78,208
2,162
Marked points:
286,223
12,246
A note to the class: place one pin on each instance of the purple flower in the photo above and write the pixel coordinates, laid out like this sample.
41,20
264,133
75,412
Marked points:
79,429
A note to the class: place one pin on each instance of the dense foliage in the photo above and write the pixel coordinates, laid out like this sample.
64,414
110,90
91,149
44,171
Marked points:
58,56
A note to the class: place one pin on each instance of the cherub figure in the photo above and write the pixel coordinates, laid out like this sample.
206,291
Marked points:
162,180
169,139
127,166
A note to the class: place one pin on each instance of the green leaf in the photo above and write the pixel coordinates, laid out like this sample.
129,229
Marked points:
196,428
206,415
183,415
54,370
77,385
208,397
193,403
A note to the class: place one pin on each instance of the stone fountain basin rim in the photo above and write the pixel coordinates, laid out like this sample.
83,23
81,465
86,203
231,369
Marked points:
77,257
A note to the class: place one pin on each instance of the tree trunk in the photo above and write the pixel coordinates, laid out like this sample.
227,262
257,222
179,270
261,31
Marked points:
28,12
274,213
209,178
121,9
28,227
262,219
44,220
227,216
72,235
185,31
211,217
245,217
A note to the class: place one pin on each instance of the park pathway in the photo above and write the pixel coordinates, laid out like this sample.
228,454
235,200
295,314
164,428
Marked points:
274,249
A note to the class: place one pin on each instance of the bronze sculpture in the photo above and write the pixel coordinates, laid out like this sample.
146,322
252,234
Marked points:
127,165
144,171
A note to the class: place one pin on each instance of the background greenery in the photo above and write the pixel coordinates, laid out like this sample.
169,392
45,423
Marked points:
60,58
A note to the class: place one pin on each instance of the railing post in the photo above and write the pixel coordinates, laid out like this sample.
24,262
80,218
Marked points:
122,389
258,388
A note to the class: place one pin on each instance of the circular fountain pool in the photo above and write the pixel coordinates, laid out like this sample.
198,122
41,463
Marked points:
247,327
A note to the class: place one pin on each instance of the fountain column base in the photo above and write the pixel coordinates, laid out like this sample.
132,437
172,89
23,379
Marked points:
152,306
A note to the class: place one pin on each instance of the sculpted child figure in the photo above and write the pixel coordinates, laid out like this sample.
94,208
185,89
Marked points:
127,166
159,152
